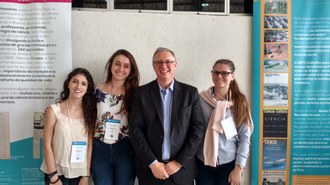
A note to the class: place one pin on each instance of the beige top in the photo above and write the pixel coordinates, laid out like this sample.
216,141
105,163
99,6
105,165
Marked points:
66,131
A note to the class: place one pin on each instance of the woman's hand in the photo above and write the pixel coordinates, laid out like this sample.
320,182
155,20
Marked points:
235,176
84,180
55,179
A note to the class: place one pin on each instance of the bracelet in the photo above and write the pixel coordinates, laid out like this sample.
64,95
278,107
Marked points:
52,174
241,167
54,181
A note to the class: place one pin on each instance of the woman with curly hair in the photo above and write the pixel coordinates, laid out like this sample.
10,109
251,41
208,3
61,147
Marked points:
69,130
112,158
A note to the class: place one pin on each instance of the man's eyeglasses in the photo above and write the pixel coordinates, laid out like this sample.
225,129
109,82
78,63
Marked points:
223,74
167,62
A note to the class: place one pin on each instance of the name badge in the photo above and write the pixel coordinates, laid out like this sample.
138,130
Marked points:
229,127
78,152
112,127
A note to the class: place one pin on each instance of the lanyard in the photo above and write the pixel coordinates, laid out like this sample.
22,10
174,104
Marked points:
78,148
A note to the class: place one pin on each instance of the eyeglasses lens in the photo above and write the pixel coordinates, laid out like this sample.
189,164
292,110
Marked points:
222,73
167,62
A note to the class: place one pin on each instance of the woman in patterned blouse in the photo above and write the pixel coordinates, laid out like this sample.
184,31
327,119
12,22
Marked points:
112,156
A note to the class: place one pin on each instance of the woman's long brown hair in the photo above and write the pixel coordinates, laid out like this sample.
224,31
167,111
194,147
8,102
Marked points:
132,80
240,108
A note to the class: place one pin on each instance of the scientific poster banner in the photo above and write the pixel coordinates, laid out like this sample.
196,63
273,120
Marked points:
35,57
291,98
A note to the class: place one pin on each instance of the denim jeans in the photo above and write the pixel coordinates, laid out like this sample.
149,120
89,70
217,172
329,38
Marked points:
65,181
209,175
113,164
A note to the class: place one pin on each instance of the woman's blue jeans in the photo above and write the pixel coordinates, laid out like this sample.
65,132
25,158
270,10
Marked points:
214,175
113,164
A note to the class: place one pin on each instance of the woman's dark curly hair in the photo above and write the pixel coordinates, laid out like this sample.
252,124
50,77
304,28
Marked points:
132,80
88,101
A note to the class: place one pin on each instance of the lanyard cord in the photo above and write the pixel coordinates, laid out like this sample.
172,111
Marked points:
68,112
72,142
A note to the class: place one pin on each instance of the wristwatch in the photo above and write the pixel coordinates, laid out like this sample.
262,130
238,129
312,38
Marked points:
241,167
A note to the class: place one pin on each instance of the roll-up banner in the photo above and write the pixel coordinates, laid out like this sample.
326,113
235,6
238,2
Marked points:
35,57
291,92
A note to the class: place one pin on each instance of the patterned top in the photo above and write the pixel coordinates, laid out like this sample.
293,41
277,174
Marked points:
66,131
108,106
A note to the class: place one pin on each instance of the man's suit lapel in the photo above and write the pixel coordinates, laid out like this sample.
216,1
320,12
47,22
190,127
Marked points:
176,104
155,95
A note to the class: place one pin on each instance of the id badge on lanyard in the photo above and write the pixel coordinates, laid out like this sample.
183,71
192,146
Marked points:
78,151
112,128
229,127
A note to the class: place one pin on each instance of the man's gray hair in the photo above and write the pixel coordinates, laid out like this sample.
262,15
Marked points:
160,49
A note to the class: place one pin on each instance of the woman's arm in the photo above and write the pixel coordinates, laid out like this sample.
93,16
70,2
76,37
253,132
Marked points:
89,153
48,134
244,135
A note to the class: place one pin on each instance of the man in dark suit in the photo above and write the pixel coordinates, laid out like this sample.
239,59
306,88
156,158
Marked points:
166,126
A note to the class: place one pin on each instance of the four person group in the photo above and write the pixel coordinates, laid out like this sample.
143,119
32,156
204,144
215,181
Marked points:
163,132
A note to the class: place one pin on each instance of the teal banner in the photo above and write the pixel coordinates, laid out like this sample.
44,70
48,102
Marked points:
291,98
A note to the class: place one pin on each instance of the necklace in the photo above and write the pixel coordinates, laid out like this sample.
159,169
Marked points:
74,112
220,97
68,112
113,91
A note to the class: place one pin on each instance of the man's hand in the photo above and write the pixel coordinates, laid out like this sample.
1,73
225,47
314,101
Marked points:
172,167
158,170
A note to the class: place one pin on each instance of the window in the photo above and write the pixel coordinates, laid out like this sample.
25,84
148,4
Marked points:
241,6
89,4
141,4
198,6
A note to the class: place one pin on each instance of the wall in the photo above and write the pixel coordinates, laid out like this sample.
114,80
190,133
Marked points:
197,40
